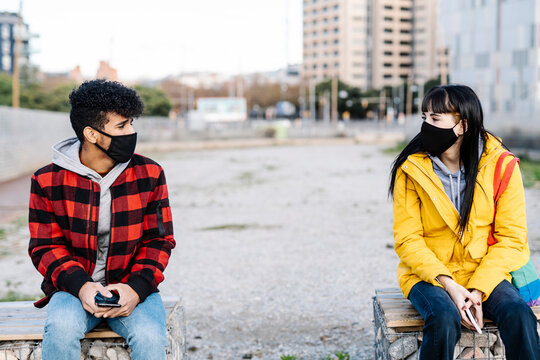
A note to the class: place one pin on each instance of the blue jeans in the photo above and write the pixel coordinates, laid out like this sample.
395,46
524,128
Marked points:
68,322
442,322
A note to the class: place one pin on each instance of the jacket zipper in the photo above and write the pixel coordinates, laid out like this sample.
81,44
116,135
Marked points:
90,270
110,241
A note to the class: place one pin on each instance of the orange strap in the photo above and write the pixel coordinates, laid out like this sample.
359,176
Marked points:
499,186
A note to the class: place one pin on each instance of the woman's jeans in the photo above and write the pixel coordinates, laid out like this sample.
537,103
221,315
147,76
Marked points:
67,323
442,322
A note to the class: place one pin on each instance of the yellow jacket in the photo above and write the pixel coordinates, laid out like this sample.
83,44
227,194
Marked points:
426,226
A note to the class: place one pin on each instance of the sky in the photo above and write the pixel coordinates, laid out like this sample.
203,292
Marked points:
153,39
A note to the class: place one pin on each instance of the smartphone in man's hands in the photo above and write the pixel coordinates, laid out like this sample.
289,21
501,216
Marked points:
103,301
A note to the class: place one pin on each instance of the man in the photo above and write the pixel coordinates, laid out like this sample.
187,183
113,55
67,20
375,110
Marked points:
100,221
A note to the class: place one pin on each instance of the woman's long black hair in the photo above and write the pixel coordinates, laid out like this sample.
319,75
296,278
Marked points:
453,99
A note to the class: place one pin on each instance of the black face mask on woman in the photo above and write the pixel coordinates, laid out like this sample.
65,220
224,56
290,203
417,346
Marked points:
121,148
437,140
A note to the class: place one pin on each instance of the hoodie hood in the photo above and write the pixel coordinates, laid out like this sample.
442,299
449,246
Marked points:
66,155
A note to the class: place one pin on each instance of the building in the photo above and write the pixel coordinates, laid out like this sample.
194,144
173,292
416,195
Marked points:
372,43
8,31
335,41
429,54
105,71
392,41
494,47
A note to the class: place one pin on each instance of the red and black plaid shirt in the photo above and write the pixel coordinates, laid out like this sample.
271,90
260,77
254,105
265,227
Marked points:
63,219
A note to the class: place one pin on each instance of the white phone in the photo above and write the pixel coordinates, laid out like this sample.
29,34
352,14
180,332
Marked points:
473,320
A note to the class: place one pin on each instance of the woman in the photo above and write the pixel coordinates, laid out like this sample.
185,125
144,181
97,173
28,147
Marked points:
442,187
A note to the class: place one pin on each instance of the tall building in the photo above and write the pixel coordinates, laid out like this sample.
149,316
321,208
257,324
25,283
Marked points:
372,43
494,47
336,41
392,25
8,31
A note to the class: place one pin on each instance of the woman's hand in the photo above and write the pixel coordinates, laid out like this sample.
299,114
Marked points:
476,307
463,299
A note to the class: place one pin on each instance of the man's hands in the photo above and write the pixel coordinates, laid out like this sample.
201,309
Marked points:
463,299
88,293
128,299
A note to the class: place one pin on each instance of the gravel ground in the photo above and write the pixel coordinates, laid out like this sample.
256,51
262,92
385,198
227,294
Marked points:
279,249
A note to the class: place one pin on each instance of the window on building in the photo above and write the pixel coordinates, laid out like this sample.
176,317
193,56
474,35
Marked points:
358,76
336,18
387,65
404,54
325,9
325,31
387,76
314,55
387,30
314,66
403,8
325,43
403,76
388,7
481,60
336,53
326,54
314,1
314,34
325,21
405,65
314,22
388,18
388,42
403,42
336,42
325,66
406,20
336,64
336,30
357,64
388,53
5,32
336,7
6,63
315,44
405,31
520,58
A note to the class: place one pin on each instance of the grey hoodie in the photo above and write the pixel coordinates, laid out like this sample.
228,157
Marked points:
454,184
66,155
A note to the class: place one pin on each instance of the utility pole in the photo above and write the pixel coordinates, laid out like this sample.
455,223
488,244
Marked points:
408,108
334,99
312,98
15,84
382,105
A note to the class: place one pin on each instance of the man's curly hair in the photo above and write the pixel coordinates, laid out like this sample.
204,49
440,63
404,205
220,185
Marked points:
91,102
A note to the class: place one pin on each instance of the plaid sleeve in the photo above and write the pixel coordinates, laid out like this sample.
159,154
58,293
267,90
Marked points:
48,248
153,254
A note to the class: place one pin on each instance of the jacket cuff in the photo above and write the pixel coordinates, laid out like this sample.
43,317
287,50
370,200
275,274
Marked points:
141,286
72,283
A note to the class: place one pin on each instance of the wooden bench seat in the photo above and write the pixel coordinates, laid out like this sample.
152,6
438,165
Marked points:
399,313
20,320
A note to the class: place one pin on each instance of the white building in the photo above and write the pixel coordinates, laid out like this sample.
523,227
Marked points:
494,48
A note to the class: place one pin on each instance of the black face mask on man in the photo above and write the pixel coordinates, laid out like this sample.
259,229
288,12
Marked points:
437,140
121,148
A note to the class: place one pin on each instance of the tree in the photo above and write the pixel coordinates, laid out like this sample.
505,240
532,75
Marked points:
5,89
156,102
